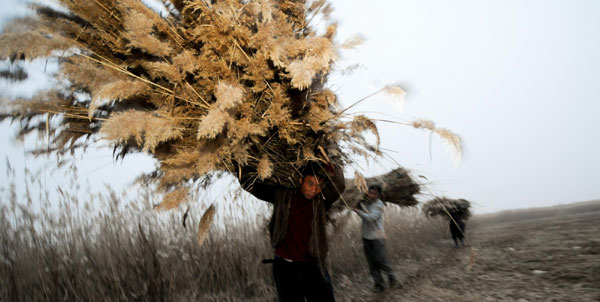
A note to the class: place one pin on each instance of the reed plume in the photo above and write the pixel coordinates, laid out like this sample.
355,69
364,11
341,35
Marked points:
209,87
205,223
236,83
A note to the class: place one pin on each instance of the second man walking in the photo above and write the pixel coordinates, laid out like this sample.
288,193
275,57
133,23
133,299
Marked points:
371,212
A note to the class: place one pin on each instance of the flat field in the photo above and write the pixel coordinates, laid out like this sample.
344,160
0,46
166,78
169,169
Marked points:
546,254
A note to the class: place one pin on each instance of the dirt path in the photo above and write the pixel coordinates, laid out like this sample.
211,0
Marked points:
544,259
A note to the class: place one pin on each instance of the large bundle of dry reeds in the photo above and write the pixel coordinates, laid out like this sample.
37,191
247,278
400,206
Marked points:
446,207
210,86
399,188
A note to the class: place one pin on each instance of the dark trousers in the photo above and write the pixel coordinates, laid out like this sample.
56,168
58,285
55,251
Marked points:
296,281
375,253
457,228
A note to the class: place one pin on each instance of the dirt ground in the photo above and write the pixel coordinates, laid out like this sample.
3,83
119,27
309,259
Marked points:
554,256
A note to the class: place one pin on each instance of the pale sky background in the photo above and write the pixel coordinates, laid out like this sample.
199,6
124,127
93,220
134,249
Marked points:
516,79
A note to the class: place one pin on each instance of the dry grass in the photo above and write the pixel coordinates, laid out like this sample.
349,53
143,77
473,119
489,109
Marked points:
447,207
116,247
210,87
207,88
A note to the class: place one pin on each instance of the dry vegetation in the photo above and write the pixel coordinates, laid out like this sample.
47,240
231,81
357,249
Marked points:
113,247
210,87
447,207
400,187
206,89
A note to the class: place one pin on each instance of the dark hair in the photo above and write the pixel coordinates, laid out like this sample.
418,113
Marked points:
312,168
376,187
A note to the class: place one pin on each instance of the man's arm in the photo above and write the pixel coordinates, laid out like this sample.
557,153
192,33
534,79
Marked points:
372,216
258,189
334,186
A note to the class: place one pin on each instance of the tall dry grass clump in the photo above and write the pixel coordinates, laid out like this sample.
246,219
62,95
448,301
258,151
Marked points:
212,86
207,87
399,187
447,207
71,245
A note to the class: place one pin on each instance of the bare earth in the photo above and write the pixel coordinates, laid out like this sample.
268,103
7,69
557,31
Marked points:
550,254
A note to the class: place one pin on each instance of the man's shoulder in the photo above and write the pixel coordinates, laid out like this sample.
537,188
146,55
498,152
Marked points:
284,193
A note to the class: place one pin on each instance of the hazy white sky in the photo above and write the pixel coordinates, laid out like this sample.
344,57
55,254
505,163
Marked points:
514,78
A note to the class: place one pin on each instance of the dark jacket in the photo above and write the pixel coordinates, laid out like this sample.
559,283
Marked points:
457,227
280,197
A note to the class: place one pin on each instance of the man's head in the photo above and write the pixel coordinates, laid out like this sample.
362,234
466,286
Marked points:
311,181
374,192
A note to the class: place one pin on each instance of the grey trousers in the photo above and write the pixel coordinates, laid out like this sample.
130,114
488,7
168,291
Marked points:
376,257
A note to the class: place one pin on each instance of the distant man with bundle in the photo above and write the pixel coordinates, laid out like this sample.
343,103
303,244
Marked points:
297,230
455,210
457,228
371,212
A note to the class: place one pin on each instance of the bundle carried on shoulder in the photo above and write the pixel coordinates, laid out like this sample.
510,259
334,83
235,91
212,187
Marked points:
204,86
443,206
398,187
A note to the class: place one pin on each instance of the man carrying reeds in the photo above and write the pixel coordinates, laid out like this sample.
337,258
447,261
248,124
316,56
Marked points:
374,237
457,229
297,230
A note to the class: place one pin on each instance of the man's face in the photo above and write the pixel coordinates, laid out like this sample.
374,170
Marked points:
310,186
373,194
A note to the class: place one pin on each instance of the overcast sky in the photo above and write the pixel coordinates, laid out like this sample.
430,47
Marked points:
516,79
